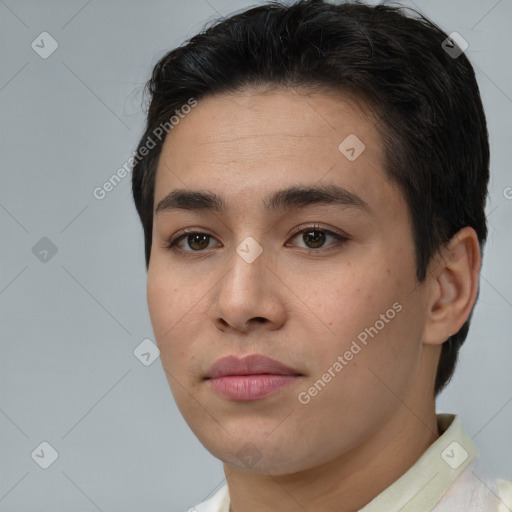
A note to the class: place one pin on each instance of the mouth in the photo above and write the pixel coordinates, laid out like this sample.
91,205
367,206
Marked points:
254,364
250,378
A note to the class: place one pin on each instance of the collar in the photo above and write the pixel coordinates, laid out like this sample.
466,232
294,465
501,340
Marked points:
422,486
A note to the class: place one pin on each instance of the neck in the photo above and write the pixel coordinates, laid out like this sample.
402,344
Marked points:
344,484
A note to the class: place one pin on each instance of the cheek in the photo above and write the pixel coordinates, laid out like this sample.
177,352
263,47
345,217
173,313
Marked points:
355,297
167,313
167,305
160,303
177,313
368,303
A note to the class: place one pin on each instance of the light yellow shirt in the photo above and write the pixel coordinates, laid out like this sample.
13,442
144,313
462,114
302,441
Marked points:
444,479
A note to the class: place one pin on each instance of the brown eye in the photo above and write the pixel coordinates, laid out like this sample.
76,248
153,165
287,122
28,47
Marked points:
195,240
314,237
198,240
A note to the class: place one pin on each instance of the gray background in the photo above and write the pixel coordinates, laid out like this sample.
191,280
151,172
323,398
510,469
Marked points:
69,325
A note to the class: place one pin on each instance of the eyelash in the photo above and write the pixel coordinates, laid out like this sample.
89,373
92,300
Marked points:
172,243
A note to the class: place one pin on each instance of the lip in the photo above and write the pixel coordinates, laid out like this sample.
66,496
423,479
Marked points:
249,378
253,364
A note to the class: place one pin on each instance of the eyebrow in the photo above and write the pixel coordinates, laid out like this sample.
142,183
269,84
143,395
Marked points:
290,198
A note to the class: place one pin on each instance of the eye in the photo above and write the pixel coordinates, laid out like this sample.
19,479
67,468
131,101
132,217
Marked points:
314,236
194,238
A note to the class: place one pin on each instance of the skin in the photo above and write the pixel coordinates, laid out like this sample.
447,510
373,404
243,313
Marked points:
376,416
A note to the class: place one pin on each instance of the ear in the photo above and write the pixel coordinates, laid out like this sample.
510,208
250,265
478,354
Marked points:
453,287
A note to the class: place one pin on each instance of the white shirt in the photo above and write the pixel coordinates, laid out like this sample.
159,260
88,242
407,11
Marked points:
446,478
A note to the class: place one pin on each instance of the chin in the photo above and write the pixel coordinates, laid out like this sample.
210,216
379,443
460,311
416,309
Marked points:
256,453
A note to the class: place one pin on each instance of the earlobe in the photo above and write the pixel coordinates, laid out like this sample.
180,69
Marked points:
453,287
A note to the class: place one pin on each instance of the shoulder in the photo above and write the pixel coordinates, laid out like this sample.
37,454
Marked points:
505,494
472,492
219,502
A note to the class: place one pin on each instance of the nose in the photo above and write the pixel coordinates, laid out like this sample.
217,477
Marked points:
250,294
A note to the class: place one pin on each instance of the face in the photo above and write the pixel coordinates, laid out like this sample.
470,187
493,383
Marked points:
324,285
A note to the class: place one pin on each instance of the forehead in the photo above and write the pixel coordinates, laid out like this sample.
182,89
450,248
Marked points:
240,143
257,117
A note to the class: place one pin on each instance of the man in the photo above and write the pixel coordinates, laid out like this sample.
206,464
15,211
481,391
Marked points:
312,183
